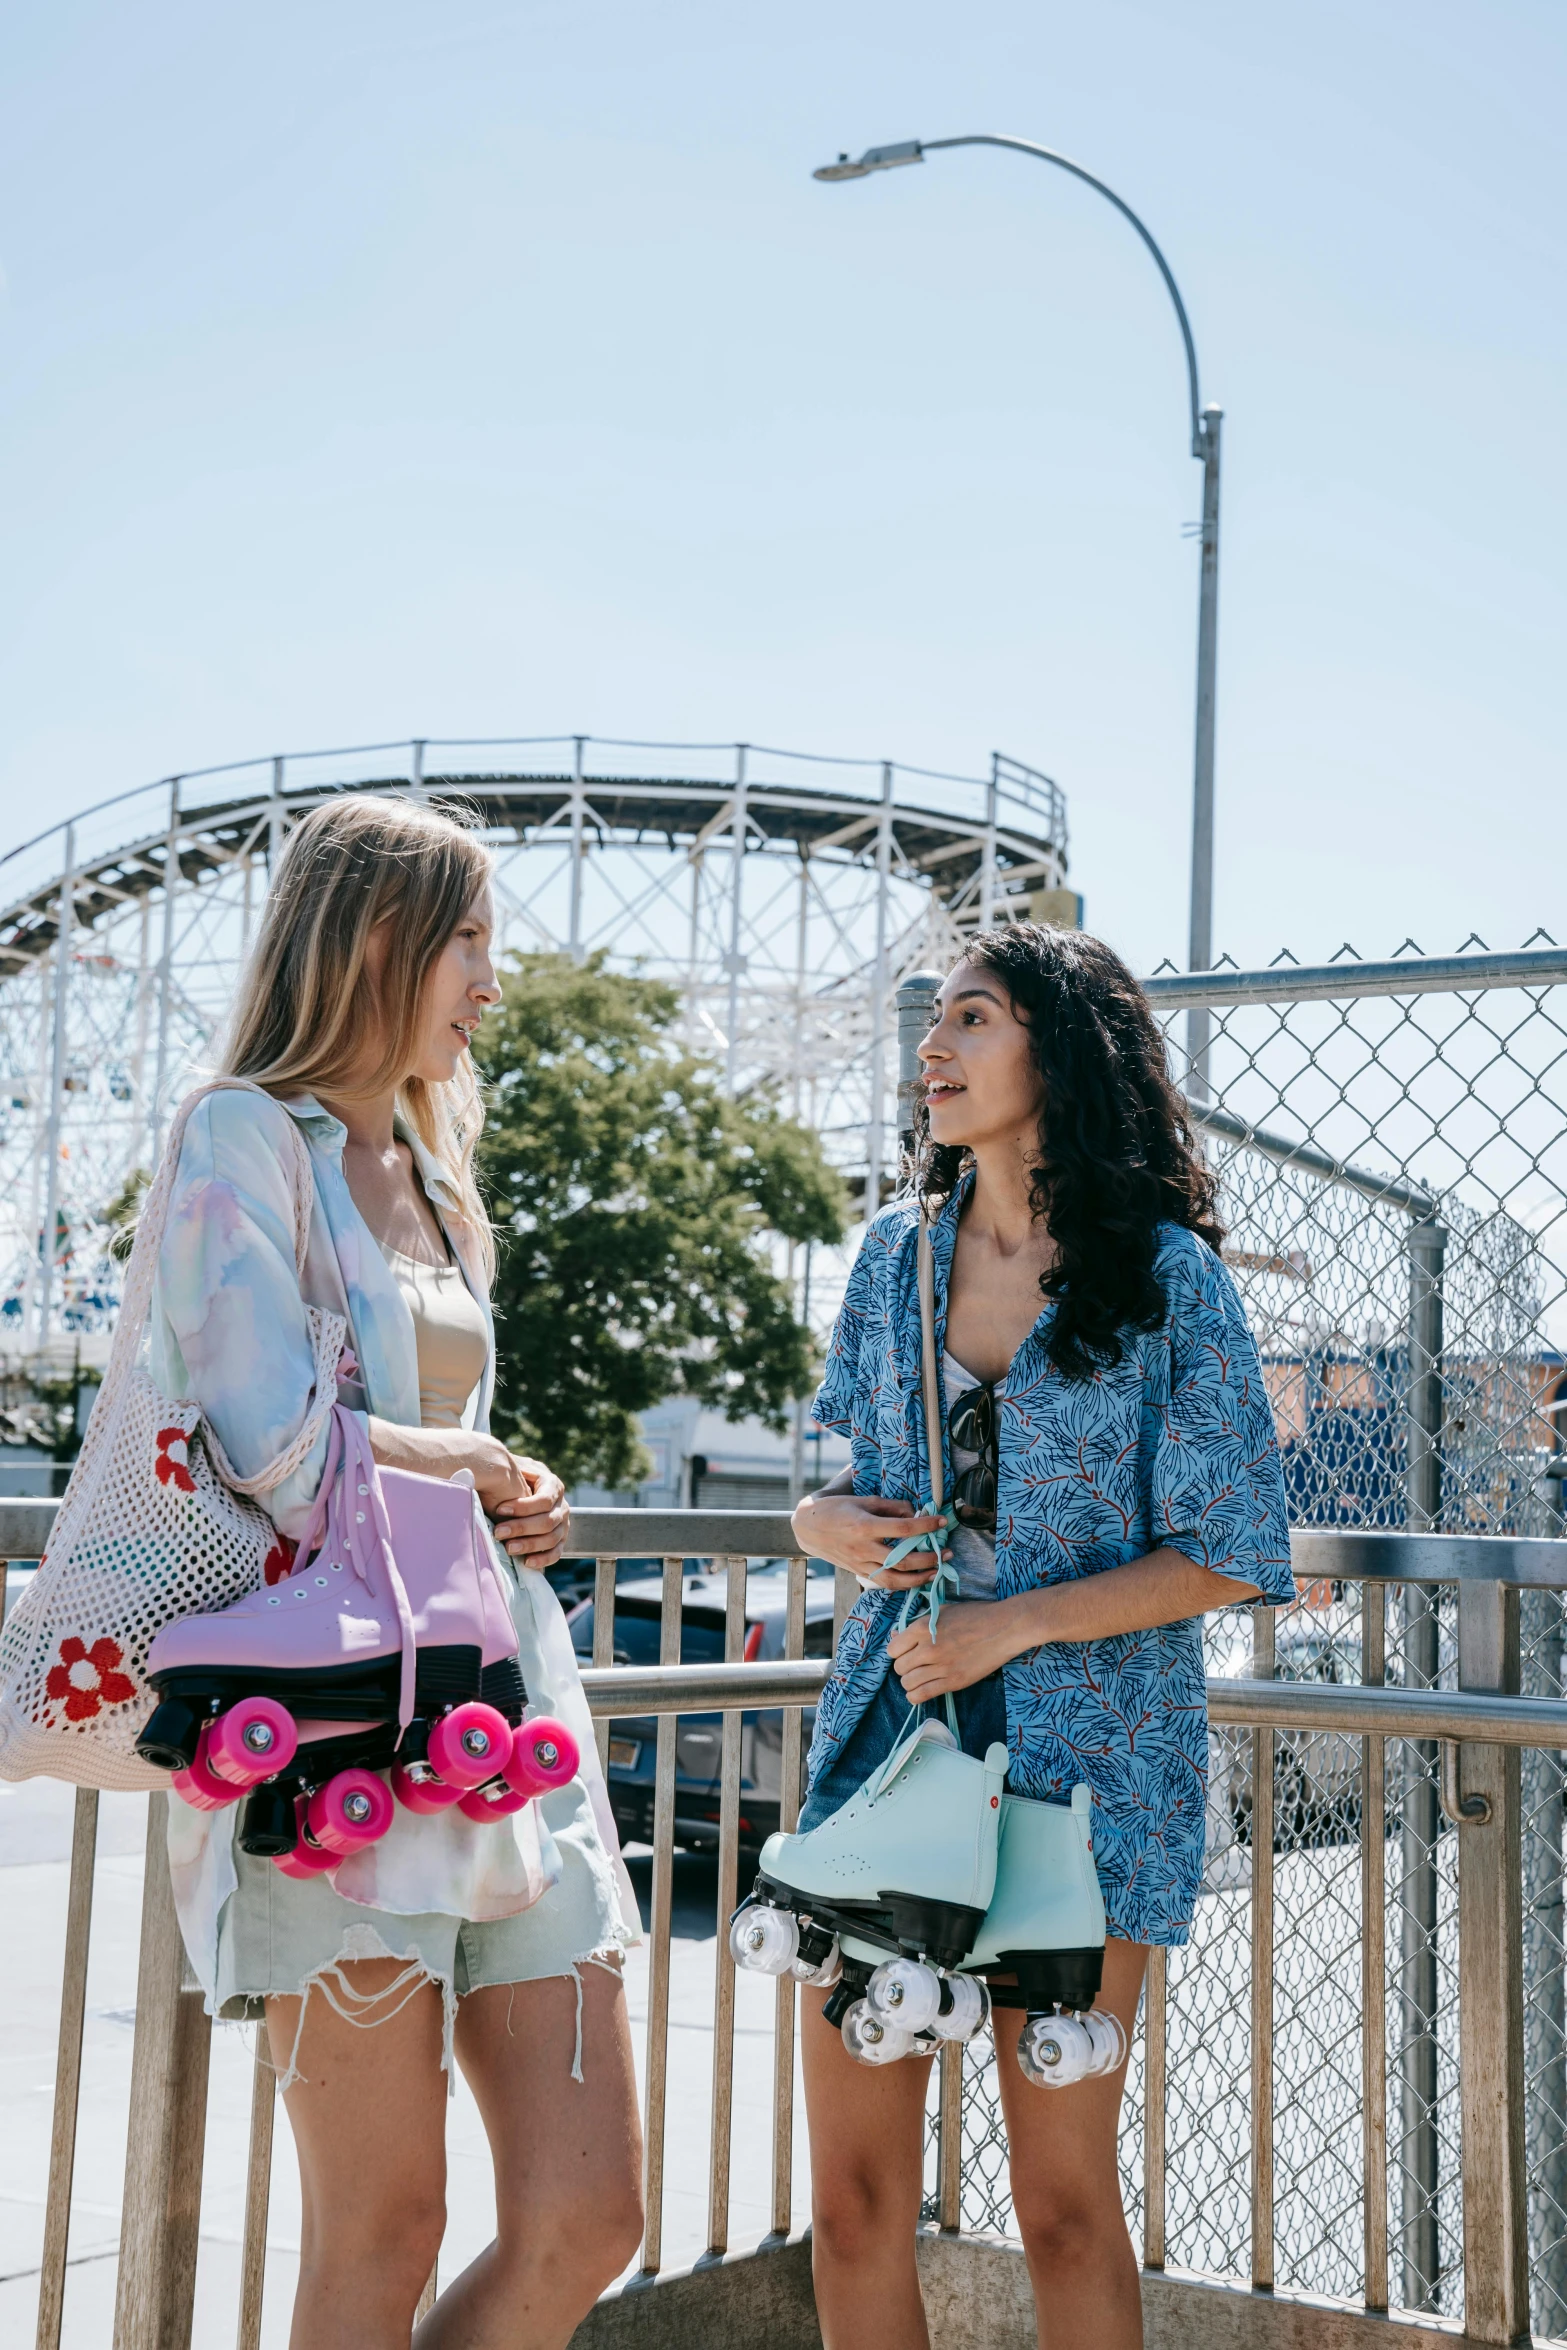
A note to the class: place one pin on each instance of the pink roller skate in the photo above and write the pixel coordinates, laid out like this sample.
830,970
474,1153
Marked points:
392,1622
544,1756
308,1858
199,1785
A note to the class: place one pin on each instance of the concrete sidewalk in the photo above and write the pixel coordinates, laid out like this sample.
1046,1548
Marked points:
35,1831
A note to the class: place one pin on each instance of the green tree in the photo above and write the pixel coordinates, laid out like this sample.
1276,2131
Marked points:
637,1214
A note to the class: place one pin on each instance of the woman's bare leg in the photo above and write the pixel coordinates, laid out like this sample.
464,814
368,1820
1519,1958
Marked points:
1066,2188
867,2127
568,2162
369,2120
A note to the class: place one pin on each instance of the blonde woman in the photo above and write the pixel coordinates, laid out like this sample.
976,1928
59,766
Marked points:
498,1942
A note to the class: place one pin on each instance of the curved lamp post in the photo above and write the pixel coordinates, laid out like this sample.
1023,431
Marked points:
1205,425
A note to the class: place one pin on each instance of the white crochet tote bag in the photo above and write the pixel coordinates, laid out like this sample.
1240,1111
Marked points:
155,1524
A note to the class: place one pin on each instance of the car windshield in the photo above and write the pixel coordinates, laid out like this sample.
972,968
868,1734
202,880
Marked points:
637,1635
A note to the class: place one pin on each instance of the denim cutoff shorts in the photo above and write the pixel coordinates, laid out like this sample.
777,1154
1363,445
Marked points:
283,1935
982,1722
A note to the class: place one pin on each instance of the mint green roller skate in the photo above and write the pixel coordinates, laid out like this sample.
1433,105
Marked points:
898,1993
905,1871
1046,1927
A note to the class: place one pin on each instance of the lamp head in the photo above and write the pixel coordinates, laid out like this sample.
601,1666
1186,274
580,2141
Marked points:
873,159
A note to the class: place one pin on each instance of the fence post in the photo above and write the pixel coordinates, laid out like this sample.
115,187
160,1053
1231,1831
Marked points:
163,2151
1545,2006
915,997
1418,2150
1490,1988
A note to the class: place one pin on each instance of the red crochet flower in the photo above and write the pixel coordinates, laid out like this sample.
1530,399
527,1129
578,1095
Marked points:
86,1677
169,1470
279,1560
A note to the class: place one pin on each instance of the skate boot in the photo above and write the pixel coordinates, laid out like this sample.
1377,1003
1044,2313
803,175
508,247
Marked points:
904,1872
390,1638
1046,1928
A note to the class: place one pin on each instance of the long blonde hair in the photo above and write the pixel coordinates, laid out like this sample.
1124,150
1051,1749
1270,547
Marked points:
306,1002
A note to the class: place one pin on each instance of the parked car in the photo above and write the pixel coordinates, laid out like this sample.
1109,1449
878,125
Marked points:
633,1742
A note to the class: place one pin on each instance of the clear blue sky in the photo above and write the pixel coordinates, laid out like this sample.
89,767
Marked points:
376,370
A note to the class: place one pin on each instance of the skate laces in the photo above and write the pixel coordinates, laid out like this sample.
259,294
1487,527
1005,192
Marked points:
349,1464
943,1585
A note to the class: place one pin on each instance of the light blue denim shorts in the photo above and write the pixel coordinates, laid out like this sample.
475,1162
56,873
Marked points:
282,1936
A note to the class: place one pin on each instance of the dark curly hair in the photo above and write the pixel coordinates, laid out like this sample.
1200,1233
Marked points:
1117,1155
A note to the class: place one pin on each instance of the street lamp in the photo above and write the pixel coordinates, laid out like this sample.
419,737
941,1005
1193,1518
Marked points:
1205,424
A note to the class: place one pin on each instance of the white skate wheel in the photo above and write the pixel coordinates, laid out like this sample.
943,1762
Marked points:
1108,2035
905,1992
1054,2051
870,2039
765,1940
824,1973
969,2012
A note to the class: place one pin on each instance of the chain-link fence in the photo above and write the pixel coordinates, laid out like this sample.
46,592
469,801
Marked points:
1391,1143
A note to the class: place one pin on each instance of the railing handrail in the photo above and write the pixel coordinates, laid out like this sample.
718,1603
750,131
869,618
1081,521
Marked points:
621,1691
1476,1786
1298,983
1523,1562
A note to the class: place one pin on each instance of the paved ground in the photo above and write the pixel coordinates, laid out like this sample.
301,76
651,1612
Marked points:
35,1823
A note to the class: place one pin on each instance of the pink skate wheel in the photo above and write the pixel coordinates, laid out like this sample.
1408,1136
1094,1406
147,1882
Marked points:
544,1755
252,1741
484,1804
352,1809
307,1858
199,1787
470,1744
423,1795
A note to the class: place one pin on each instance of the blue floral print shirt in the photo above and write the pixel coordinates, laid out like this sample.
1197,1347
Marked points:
1173,1447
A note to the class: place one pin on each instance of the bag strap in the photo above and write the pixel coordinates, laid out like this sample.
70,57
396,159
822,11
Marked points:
944,1584
930,1384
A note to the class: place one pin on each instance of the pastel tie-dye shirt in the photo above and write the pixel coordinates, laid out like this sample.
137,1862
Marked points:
230,1331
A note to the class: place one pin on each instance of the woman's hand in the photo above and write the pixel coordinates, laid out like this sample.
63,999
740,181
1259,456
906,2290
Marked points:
533,1525
974,1638
526,1500
856,1530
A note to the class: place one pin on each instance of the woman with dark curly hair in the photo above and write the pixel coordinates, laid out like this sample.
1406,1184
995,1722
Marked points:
1111,1456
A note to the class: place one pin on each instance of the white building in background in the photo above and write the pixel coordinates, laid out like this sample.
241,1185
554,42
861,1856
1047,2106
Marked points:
700,1460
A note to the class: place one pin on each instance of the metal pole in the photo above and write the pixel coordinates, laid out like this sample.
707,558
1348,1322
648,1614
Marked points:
1200,943
800,945
1204,445
734,961
139,1055
1419,2150
916,995
275,822
1490,1985
65,921
171,875
797,1441
35,1185
1545,2012
874,1126
574,935
693,1025
987,861
416,764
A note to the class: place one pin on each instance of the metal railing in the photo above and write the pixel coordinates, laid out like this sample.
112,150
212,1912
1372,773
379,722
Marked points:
1294,1742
